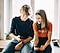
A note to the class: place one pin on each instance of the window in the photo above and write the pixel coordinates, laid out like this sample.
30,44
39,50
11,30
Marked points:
12,7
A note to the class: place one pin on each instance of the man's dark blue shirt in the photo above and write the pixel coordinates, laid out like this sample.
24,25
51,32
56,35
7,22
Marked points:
22,28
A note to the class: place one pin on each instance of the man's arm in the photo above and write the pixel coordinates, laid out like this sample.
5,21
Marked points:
15,37
27,40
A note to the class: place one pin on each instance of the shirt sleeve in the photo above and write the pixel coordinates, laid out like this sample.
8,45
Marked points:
50,26
31,34
34,27
13,27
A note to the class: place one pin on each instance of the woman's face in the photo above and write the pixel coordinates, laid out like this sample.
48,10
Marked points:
38,19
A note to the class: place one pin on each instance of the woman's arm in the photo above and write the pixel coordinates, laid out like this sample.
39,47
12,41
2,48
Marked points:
49,38
49,35
36,35
47,42
36,39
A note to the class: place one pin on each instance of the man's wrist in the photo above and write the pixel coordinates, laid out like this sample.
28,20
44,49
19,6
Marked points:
22,42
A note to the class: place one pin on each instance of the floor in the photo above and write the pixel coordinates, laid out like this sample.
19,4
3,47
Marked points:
55,49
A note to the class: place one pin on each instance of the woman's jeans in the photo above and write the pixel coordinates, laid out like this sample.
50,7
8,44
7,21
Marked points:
42,41
47,50
10,47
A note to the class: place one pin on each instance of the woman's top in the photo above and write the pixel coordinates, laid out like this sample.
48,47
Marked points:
40,32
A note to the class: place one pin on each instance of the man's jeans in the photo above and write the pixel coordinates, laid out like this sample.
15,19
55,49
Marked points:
10,47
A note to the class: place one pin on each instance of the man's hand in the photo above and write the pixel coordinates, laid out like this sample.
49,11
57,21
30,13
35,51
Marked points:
27,40
36,48
18,38
24,41
18,46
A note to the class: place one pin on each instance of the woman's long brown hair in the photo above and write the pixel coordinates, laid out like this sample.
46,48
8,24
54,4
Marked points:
44,18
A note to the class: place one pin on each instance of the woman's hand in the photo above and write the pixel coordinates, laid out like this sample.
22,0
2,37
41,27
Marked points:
42,48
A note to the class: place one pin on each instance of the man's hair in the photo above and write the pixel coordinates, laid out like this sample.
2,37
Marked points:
26,8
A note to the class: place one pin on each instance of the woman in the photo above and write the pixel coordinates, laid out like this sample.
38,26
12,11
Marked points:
22,32
43,32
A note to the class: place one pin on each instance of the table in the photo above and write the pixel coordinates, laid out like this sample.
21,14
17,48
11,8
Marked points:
3,43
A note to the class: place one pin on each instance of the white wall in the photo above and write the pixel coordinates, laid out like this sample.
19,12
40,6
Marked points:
1,18
48,6
52,8
59,18
56,35
9,10
17,5
7,16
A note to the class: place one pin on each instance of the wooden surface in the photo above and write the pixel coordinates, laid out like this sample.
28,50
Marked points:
3,43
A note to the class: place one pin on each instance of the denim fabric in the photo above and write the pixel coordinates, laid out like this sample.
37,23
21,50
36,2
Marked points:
42,41
47,50
26,48
10,48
